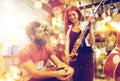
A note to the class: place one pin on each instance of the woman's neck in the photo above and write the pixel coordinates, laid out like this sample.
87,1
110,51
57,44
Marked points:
75,27
76,24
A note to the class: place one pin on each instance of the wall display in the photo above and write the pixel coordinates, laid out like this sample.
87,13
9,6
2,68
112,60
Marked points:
111,66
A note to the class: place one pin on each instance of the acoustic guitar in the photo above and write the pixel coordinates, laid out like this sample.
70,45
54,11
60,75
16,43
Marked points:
111,62
117,73
111,67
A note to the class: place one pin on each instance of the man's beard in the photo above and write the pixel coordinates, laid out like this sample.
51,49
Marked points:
40,42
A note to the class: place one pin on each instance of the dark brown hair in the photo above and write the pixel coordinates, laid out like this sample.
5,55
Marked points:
30,28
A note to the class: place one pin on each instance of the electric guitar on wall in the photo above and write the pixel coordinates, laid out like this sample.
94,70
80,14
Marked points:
111,67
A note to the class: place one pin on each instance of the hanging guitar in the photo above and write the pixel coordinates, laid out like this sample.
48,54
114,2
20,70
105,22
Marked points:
116,75
112,10
111,67
79,42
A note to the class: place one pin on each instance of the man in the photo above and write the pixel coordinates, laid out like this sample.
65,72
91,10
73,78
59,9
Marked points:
35,55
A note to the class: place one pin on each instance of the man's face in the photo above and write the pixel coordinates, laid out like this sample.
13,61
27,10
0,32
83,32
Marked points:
40,37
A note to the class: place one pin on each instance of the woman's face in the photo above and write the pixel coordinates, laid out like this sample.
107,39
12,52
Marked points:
73,16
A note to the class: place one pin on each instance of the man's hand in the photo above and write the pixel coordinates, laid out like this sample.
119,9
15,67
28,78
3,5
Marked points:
70,72
65,74
62,75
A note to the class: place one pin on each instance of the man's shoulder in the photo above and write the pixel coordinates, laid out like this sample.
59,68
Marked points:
27,48
48,47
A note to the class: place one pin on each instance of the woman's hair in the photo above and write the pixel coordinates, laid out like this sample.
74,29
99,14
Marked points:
30,28
65,16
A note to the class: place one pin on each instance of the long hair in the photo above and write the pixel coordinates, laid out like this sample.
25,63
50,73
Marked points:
65,16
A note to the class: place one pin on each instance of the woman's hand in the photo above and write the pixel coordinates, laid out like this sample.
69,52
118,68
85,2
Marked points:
91,19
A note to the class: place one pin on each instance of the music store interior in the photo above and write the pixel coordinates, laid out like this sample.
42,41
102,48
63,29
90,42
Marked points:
16,14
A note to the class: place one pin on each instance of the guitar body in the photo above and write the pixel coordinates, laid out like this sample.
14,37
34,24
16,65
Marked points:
117,73
111,62
111,67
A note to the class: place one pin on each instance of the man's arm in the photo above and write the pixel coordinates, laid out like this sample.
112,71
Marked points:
41,74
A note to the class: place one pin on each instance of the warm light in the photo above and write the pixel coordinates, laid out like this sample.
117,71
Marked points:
62,42
44,1
118,26
54,21
97,52
113,24
9,79
15,76
37,4
103,15
9,6
99,67
116,59
12,29
53,41
108,19
61,36
103,22
75,3
57,11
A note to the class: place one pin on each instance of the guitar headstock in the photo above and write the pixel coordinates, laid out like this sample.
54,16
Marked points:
112,9
93,10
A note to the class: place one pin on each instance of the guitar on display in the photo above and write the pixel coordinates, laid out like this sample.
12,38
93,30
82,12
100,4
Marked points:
111,67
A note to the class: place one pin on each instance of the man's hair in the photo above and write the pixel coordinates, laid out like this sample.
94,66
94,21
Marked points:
30,28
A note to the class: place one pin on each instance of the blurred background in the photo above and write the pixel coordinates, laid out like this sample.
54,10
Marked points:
16,14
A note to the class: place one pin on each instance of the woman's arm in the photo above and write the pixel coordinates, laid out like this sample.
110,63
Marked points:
91,38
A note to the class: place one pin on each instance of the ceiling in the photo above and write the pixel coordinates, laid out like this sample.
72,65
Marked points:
53,3
46,6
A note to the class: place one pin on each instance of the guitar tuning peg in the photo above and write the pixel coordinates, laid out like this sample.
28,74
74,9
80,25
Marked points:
93,11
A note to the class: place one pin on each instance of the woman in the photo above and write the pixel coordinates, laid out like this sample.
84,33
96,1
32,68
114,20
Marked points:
84,64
